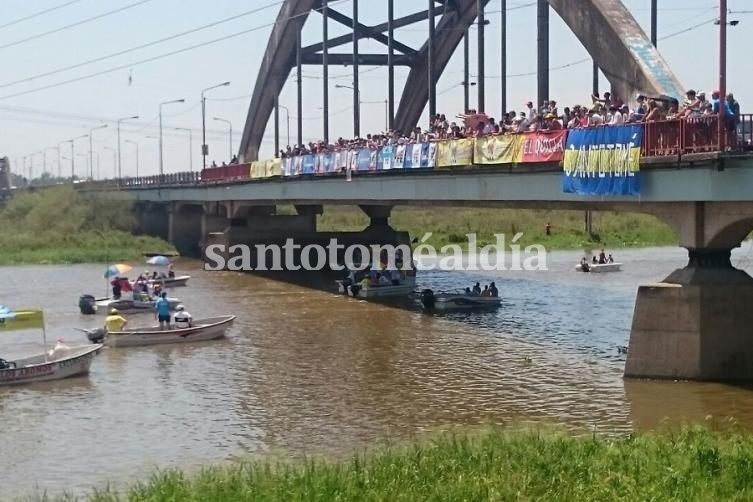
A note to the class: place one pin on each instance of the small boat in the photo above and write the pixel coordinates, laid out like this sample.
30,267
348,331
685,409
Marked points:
42,367
60,362
124,305
152,254
379,291
200,330
169,282
458,301
600,267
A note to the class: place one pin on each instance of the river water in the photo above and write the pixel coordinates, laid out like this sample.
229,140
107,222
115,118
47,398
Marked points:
304,371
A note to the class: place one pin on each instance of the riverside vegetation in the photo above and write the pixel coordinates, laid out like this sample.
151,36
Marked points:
62,225
688,464
449,225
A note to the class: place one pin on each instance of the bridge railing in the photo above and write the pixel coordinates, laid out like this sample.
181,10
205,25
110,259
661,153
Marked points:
662,138
668,138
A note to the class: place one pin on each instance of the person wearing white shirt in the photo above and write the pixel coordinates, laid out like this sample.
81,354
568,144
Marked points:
182,318
617,118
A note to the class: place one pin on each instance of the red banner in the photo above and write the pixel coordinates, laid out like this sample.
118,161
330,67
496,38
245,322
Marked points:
544,146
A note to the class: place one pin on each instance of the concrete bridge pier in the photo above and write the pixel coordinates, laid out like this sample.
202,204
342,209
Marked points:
697,324
185,227
152,219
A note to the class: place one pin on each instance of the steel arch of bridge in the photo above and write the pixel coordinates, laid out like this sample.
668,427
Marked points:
606,29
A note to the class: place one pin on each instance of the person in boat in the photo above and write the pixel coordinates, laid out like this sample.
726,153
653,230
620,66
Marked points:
468,291
366,282
114,321
493,290
163,310
486,291
182,318
584,266
157,289
170,271
610,259
477,289
154,276
384,280
117,290
595,261
602,258
395,277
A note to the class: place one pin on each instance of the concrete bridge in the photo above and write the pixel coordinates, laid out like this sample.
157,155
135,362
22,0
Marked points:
694,324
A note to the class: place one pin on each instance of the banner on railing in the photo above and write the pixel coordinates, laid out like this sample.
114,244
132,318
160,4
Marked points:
603,161
503,149
456,152
544,146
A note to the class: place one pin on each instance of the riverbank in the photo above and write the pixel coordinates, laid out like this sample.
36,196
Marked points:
61,225
449,225
497,464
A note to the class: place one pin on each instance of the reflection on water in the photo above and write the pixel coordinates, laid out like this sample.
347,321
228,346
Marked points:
308,371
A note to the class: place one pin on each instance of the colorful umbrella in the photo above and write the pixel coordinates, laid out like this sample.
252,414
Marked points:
160,261
117,269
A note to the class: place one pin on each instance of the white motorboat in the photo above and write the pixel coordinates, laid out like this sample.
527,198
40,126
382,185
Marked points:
447,302
600,267
168,282
42,367
129,305
405,288
200,330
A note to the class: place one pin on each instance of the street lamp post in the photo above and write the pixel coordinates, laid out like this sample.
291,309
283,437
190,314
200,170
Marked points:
114,162
73,155
190,145
119,121
152,137
204,147
137,155
60,163
287,116
91,133
161,169
230,124
356,121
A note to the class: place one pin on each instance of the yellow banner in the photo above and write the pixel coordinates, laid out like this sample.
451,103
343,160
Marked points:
23,319
454,152
273,168
258,169
503,149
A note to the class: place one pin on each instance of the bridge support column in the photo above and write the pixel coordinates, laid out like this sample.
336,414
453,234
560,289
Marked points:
153,220
696,323
185,228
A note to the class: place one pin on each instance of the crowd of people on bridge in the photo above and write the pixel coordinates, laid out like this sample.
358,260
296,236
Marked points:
606,110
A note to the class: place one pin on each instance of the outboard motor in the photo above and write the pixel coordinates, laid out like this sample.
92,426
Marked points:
87,304
428,299
96,335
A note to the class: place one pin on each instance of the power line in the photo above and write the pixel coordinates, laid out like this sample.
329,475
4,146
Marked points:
36,14
155,58
138,47
78,23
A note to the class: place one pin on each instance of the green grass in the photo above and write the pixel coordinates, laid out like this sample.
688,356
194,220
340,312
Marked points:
449,226
686,465
61,225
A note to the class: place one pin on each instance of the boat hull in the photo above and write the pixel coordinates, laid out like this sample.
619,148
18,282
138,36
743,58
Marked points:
601,267
403,289
34,369
445,302
125,306
169,282
202,330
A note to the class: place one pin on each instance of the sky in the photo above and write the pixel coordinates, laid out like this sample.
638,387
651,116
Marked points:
38,110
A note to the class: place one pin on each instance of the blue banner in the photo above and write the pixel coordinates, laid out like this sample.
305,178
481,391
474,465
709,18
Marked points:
603,160
364,160
387,154
308,164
